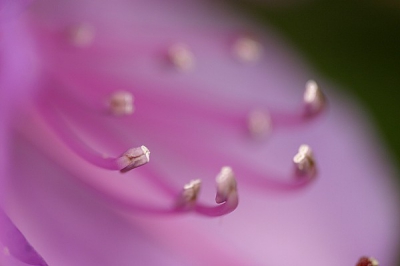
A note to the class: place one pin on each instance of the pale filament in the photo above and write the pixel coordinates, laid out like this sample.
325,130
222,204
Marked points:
133,158
117,103
184,201
126,162
259,121
259,179
249,176
302,175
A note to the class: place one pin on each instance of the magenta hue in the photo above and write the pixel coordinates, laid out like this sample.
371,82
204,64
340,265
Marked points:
16,243
76,213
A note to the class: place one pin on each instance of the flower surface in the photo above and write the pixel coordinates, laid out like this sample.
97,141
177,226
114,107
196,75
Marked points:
202,90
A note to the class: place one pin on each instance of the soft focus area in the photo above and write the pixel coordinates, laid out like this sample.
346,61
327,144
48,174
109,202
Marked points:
192,132
354,43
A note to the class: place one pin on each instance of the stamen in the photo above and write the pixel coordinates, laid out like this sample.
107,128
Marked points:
304,162
314,99
365,261
181,57
186,200
133,158
273,182
260,179
227,195
121,103
314,103
81,35
118,103
247,49
259,124
226,184
189,194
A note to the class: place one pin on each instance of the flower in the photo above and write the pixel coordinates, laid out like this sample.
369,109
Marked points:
216,100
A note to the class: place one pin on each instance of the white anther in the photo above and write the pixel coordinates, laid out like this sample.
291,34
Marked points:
121,103
314,99
226,184
247,49
304,162
259,124
181,57
81,35
373,261
191,190
133,158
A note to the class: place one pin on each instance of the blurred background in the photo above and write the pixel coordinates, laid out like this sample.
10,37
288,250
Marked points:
353,43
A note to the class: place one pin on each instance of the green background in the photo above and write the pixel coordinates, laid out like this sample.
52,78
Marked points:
355,43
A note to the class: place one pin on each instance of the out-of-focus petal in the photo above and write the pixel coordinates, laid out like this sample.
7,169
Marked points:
53,195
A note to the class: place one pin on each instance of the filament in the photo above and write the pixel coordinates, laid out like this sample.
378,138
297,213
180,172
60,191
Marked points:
123,163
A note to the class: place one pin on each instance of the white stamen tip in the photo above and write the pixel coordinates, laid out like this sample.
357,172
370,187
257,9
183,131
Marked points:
247,49
81,35
146,152
374,262
190,192
226,184
314,99
121,103
304,162
181,57
259,124
133,158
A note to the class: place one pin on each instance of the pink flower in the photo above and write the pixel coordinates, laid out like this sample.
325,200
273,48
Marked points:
219,103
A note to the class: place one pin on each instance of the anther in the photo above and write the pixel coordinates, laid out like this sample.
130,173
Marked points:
121,103
227,195
367,261
247,49
314,99
181,57
304,162
81,35
133,158
190,193
259,124
226,184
